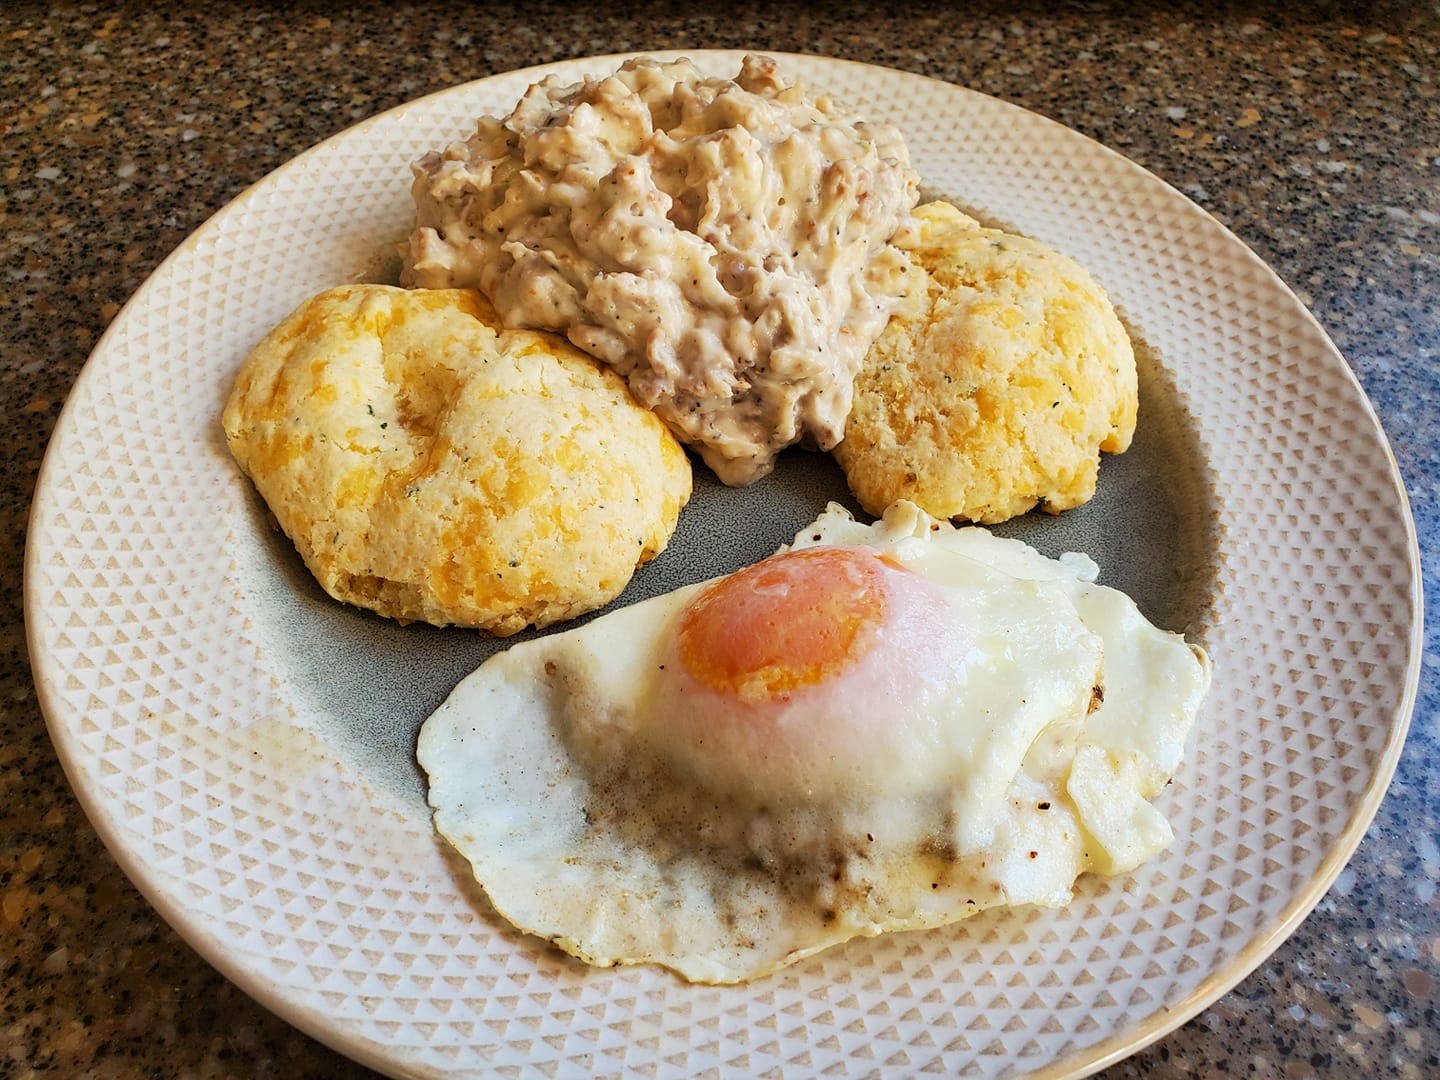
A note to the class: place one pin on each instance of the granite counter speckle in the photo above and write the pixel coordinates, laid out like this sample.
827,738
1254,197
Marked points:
1313,131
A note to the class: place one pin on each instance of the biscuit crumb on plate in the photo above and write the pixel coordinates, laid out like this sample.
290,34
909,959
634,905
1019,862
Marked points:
998,389
433,466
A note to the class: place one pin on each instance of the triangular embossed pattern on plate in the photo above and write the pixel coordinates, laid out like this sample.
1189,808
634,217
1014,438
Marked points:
245,747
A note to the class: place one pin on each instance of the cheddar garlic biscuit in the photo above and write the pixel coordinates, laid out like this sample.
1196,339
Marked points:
999,389
432,466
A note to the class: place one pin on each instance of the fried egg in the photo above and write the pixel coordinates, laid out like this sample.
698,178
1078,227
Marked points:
881,727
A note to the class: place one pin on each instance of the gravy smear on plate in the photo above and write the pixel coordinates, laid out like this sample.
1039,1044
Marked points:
723,244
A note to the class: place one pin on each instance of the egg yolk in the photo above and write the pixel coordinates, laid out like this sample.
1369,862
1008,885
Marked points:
793,621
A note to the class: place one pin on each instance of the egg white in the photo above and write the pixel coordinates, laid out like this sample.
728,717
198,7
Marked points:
557,771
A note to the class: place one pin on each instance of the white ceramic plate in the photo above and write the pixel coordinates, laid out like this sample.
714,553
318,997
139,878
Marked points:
244,745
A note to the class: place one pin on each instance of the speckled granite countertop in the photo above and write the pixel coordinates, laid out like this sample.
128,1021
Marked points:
1313,131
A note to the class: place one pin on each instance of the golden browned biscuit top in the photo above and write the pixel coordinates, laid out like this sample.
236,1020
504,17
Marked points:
999,389
430,465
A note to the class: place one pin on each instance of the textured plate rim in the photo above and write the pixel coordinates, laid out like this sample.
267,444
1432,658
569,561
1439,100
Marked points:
362,1047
